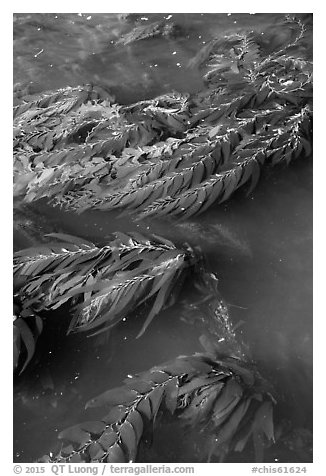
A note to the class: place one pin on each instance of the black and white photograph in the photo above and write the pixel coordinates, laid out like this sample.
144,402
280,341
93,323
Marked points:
162,239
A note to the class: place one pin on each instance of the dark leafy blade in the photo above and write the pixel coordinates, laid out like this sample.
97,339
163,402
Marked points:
107,439
93,427
145,408
155,397
75,434
76,458
115,414
213,193
155,375
264,420
135,419
159,301
231,425
141,386
67,450
179,366
255,176
201,405
129,440
16,346
95,451
198,382
227,400
171,394
27,338
116,455
246,374
116,396
197,364
230,183
71,239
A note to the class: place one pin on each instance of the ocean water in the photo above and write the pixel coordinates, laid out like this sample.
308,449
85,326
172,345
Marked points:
260,247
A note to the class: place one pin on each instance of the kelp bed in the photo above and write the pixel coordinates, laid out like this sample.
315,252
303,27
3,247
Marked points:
168,158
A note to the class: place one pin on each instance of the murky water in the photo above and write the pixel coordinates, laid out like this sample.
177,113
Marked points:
260,247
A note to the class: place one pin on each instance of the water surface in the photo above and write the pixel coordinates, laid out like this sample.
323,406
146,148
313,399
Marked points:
259,247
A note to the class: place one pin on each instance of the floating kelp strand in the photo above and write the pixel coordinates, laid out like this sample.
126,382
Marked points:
104,282
196,396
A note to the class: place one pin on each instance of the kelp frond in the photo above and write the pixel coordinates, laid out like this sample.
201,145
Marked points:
223,396
171,156
166,153
145,31
217,391
64,100
103,283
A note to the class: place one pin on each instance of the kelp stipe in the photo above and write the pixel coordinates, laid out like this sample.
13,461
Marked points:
221,394
173,156
102,283
177,154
